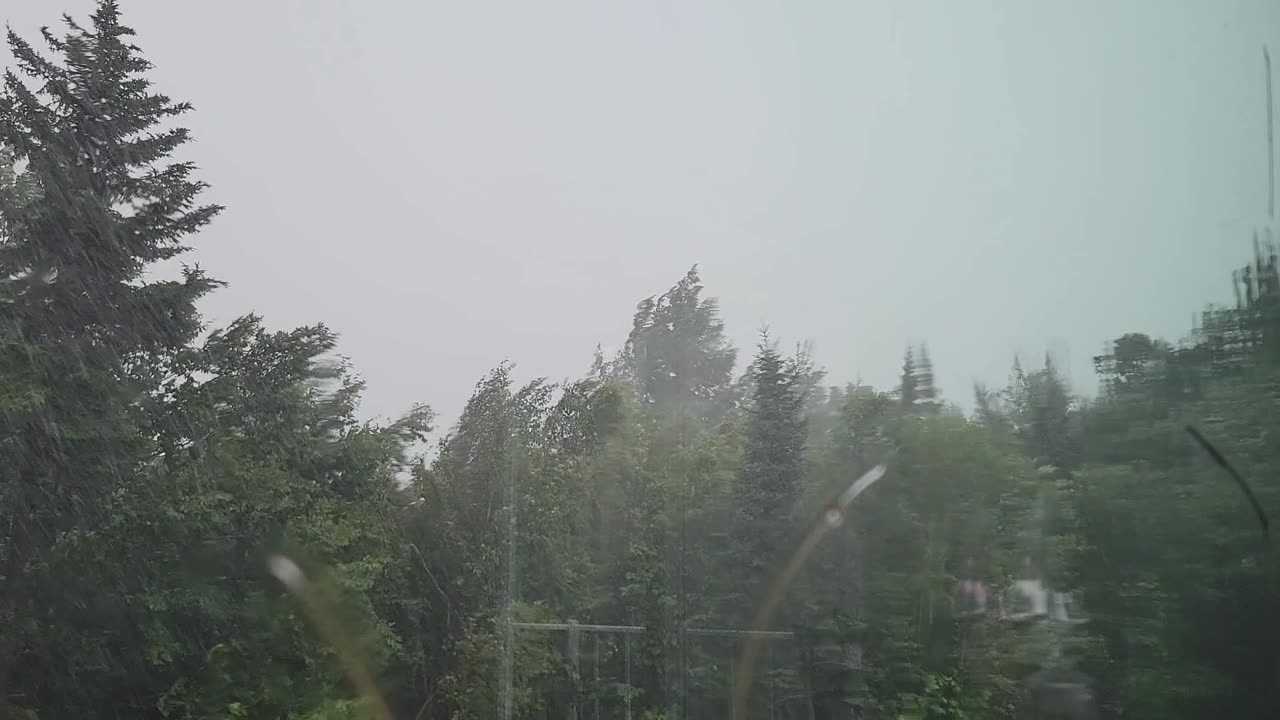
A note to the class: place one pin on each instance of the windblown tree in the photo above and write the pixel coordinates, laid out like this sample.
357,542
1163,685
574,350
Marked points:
149,465
677,352
84,339
144,476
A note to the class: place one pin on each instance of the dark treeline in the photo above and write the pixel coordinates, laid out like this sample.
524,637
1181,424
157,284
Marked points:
149,466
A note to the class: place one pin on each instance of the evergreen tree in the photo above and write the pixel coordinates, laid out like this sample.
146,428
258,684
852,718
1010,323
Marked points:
987,407
1044,415
84,339
926,393
907,390
143,474
110,203
773,460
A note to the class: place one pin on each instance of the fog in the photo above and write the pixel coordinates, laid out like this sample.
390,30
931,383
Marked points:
451,184
206,515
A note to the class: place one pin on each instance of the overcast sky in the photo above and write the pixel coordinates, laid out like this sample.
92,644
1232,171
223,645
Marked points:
449,184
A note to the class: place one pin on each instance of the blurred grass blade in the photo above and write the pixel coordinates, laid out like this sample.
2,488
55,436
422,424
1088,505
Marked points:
831,517
1221,460
326,620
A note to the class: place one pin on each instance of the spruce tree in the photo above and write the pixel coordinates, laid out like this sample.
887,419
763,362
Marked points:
926,392
89,201
110,203
98,206
987,409
1043,415
907,392
773,462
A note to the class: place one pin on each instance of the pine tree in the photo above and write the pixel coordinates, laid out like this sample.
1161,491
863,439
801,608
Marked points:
110,202
1042,415
987,408
907,393
926,392
95,208
773,463
84,337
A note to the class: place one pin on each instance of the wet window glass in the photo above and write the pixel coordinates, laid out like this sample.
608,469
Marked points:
639,361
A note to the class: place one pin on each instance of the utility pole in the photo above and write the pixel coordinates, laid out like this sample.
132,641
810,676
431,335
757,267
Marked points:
684,599
507,681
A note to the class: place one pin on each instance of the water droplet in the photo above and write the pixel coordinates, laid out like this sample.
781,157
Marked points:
286,571
833,517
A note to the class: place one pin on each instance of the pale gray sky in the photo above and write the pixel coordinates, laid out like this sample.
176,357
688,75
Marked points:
451,184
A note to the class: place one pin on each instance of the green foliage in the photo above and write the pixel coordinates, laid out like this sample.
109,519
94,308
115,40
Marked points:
773,457
472,689
677,353
145,475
